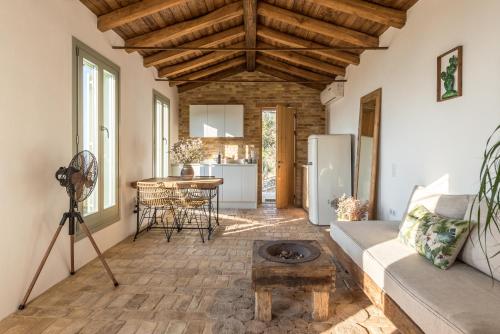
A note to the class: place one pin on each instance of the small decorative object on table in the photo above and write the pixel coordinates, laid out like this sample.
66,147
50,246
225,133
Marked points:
449,71
350,209
186,151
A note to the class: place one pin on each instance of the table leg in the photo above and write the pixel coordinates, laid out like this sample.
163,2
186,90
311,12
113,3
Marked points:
209,213
263,302
137,212
320,301
217,219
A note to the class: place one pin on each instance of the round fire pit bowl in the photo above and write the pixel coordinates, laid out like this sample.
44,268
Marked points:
284,251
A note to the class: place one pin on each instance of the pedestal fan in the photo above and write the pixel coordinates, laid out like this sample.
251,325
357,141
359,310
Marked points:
79,179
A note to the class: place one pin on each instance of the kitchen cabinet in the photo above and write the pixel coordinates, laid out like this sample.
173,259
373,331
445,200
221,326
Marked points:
233,114
197,120
240,183
216,120
232,183
249,185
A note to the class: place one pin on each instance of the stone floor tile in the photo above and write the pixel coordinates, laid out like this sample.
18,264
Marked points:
189,287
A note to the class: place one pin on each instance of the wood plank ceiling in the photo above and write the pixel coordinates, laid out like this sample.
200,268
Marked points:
250,24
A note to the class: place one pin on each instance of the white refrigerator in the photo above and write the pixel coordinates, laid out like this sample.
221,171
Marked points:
329,170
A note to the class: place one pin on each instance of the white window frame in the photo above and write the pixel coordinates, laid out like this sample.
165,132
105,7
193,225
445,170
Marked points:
165,120
103,217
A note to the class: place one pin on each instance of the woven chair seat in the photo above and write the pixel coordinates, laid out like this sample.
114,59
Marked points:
160,202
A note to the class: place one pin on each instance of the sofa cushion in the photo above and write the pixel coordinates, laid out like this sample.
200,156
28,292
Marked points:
458,300
452,206
439,239
472,253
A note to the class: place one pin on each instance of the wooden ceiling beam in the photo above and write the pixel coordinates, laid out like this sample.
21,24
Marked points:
347,35
306,61
250,19
297,42
286,76
293,70
209,58
208,41
235,62
133,12
368,11
229,48
172,32
217,76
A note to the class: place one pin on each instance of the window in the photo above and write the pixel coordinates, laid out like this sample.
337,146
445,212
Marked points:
96,93
161,142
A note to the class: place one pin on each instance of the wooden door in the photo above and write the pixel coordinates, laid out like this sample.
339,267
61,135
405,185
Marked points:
285,156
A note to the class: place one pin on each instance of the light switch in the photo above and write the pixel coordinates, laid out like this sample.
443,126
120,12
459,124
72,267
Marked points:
394,170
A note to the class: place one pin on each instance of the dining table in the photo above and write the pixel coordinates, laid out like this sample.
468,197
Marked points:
206,183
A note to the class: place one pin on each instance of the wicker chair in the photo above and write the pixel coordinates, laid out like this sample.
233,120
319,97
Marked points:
156,203
191,203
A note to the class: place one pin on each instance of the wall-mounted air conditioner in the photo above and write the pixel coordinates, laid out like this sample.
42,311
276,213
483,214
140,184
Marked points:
332,92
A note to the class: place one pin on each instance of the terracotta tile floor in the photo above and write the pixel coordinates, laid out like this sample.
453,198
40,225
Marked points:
189,287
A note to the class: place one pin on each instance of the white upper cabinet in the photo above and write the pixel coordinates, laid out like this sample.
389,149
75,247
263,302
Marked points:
234,120
216,120
197,120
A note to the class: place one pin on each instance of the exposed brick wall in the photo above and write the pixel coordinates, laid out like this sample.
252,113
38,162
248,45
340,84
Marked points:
311,117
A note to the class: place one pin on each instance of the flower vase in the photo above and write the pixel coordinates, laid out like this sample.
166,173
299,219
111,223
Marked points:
187,171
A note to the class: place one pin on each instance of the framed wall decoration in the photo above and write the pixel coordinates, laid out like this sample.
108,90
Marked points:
449,74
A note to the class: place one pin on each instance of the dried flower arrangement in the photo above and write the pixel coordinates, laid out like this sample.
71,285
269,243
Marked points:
187,150
351,209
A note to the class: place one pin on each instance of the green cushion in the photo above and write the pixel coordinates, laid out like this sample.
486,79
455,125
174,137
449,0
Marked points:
439,239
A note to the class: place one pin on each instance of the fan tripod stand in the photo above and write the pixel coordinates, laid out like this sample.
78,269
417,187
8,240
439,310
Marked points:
72,216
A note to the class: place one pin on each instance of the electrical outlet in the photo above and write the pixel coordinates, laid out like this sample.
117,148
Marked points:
392,212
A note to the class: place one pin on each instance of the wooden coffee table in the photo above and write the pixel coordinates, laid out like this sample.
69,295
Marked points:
317,276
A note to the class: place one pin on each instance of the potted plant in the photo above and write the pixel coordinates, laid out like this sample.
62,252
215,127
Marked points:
485,209
187,151
351,209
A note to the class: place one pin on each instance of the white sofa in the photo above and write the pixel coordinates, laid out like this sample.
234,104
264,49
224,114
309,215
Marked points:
461,299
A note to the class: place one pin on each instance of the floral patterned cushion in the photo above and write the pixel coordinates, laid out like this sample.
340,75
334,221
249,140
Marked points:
411,228
437,238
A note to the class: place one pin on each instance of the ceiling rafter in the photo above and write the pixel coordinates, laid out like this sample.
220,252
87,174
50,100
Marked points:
305,61
212,57
208,41
286,76
134,12
235,62
293,70
172,32
333,31
293,41
368,11
217,76
250,19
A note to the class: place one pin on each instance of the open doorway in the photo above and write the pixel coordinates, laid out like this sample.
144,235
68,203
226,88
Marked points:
269,155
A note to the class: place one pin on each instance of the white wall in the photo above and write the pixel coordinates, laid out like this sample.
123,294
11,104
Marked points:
423,140
36,136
